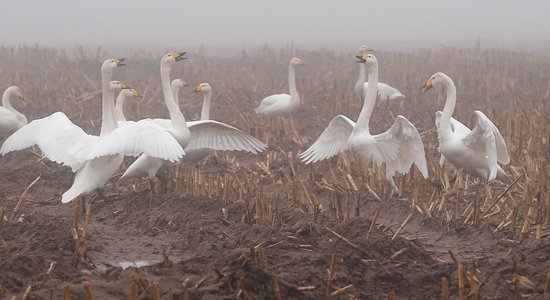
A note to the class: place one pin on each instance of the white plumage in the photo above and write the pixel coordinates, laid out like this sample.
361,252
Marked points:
206,136
280,104
476,151
10,118
398,147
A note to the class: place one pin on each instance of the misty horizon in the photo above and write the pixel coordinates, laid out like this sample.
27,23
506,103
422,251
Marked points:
391,25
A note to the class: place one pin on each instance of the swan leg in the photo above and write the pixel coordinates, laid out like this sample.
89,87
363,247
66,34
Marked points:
393,186
163,183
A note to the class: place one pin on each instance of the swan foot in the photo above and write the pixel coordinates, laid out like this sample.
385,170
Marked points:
163,183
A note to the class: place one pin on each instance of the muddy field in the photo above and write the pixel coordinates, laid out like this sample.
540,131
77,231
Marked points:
266,226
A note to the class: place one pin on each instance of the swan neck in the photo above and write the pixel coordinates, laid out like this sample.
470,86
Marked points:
6,100
205,111
359,85
448,109
178,120
119,108
107,98
176,94
292,84
370,100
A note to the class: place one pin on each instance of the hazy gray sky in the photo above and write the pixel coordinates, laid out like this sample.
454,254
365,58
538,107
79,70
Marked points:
173,24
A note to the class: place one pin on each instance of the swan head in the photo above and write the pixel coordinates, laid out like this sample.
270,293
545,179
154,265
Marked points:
111,63
130,92
115,86
368,59
203,88
178,83
171,57
14,91
435,80
365,49
296,61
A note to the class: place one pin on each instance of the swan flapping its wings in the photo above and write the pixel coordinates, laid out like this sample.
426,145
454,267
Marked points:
476,151
398,147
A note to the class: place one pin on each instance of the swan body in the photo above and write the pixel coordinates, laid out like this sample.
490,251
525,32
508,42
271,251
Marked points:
206,136
398,147
10,119
280,104
477,151
385,91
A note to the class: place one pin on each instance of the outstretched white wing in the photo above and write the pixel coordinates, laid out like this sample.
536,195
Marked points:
486,140
144,136
400,147
332,141
220,136
56,136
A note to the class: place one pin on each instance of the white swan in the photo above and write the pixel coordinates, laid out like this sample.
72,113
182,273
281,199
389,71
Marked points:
385,91
399,147
206,136
10,118
124,94
280,104
478,151
176,85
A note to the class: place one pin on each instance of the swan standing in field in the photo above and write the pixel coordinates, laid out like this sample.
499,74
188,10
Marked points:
399,147
385,91
281,104
476,151
206,136
10,119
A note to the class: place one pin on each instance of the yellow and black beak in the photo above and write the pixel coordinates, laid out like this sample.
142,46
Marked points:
123,85
136,93
20,96
179,55
199,88
362,58
119,62
427,86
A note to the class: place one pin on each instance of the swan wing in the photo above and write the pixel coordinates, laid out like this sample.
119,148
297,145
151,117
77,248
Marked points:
400,147
58,138
332,141
486,140
456,126
144,136
220,136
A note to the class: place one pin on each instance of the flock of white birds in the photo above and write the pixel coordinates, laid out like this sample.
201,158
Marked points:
95,159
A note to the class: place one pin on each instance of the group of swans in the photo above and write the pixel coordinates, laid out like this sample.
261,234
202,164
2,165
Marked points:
96,158
476,151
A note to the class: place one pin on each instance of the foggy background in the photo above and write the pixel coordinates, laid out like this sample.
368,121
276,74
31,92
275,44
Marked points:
221,25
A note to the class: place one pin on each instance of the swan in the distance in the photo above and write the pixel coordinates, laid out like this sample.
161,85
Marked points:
10,119
476,151
281,104
385,91
398,147
206,136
